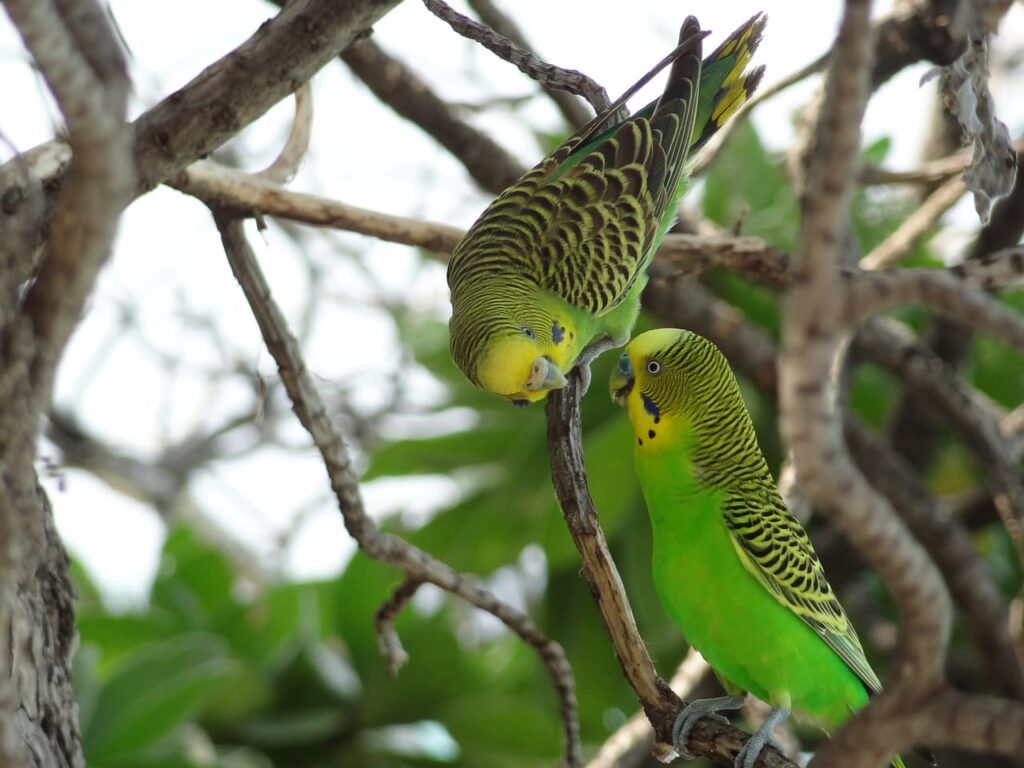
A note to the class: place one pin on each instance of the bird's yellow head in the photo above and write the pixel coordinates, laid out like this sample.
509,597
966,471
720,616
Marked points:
521,359
517,367
651,382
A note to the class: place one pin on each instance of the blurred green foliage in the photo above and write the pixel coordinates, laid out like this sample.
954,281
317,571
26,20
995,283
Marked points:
212,674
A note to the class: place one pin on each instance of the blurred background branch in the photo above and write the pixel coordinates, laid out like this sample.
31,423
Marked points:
265,655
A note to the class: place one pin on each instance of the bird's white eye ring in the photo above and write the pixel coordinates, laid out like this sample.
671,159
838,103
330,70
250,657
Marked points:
528,332
653,367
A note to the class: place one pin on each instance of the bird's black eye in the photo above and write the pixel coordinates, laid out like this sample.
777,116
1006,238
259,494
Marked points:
528,332
653,367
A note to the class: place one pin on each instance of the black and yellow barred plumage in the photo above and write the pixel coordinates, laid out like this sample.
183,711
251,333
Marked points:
732,566
559,259
771,543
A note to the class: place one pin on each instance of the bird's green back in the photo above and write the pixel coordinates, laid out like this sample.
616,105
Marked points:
582,225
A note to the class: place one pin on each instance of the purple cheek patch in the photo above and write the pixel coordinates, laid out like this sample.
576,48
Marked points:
651,408
557,332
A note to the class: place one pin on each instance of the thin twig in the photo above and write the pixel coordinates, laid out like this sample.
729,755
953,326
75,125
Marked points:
928,173
397,85
714,147
569,105
414,562
288,160
931,172
634,739
384,623
529,63
660,704
898,245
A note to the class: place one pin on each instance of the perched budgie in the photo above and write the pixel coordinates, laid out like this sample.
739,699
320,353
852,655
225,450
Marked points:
732,567
551,273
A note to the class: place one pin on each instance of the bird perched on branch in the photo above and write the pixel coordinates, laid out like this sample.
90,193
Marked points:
551,273
733,568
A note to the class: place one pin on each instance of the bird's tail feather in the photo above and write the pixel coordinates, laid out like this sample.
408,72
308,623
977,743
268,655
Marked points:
724,83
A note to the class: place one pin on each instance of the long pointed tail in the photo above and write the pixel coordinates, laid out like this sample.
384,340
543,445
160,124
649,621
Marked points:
724,85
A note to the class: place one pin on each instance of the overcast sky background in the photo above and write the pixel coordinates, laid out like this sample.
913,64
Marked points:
169,272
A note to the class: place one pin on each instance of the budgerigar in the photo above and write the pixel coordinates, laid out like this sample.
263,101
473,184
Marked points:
551,273
732,567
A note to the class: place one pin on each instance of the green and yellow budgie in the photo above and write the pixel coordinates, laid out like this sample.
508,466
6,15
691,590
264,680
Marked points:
551,273
733,568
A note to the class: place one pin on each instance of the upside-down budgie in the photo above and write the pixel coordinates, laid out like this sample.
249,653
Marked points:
551,273
733,568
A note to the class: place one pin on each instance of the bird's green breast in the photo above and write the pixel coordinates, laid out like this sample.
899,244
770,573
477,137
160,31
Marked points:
744,633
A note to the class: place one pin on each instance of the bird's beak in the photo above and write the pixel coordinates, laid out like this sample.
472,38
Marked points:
621,382
544,375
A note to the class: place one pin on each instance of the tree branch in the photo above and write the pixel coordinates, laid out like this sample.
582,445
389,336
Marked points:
384,623
900,243
286,164
416,564
752,257
77,52
527,62
634,740
812,332
233,190
939,289
398,86
660,704
569,105
209,110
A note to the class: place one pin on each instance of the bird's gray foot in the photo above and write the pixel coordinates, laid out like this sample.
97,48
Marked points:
585,376
697,710
596,348
590,353
747,756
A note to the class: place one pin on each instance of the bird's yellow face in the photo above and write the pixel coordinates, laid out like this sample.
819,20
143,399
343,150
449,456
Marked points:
649,382
525,366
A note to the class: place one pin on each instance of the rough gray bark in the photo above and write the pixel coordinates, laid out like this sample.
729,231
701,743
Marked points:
72,193
38,709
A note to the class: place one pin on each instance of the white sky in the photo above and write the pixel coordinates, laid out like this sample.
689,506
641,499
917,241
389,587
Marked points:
168,261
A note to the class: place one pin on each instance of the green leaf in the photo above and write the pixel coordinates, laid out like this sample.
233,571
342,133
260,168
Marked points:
876,152
154,689
195,581
443,454
492,728
269,631
997,370
86,591
746,182
117,635
85,678
872,394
